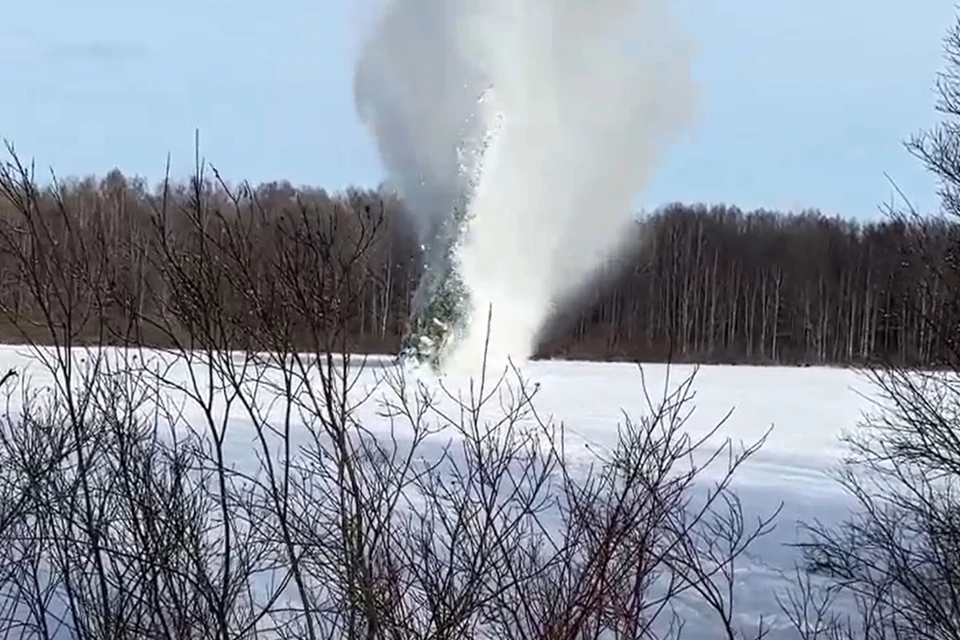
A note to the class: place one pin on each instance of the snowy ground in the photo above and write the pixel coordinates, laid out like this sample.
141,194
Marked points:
807,408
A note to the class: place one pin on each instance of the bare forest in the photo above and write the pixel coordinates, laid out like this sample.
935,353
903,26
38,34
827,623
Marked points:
705,283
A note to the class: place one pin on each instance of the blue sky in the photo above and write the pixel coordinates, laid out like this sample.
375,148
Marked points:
805,101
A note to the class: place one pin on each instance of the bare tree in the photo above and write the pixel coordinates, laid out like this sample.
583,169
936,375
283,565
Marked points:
288,488
896,560
698,283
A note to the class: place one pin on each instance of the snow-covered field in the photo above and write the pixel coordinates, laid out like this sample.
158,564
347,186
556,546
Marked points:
807,408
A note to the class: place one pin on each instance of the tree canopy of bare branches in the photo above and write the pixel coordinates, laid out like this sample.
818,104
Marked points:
700,283
897,558
251,476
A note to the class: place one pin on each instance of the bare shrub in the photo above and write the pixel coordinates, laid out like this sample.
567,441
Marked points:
895,562
892,569
291,489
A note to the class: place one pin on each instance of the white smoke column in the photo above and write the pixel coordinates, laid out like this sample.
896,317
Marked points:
587,93
416,91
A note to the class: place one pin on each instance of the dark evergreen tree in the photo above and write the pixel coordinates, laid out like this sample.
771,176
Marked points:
441,307
442,304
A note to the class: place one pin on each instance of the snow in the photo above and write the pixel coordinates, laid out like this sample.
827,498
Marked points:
807,408
559,150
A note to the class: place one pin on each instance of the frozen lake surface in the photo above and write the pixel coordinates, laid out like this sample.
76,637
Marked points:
807,409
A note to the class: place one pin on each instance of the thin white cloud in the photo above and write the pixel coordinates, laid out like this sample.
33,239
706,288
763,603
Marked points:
98,50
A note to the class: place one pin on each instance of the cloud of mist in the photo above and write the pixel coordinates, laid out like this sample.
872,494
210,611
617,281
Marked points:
587,94
416,89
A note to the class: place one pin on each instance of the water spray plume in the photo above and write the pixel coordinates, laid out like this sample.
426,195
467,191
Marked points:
518,133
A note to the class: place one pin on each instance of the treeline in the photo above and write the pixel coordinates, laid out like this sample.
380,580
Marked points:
704,283
716,284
